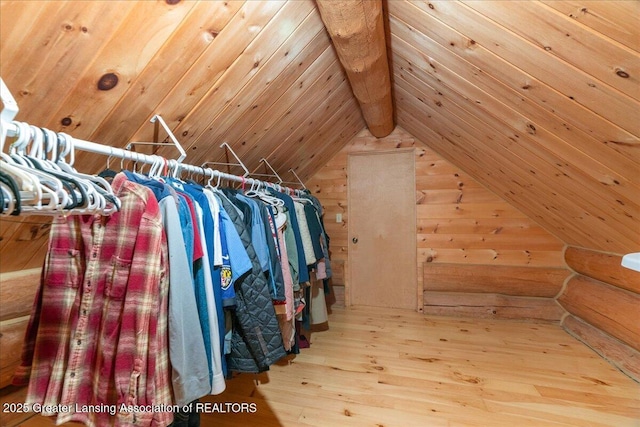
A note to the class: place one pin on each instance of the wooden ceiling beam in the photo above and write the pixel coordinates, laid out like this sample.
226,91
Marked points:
356,28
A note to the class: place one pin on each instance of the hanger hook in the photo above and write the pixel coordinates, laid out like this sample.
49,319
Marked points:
219,180
37,141
51,144
213,175
68,149
154,167
24,136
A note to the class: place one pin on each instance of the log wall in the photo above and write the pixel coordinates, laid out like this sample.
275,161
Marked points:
17,292
23,245
461,226
494,291
602,299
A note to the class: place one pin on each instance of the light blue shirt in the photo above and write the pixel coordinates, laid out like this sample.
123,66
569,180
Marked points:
258,237
238,257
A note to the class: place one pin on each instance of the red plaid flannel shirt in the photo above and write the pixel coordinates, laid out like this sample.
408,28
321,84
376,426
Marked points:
97,338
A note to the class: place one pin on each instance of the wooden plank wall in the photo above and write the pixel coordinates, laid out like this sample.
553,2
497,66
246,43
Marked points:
602,299
459,223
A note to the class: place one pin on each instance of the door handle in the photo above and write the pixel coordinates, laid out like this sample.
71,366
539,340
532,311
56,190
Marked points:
354,240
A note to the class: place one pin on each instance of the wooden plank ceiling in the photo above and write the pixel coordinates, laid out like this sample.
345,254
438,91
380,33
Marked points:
262,76
536,100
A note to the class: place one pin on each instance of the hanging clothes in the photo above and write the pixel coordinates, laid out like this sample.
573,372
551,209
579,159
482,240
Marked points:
236,259
287,321
212,301
303,273
143,285
98,331
324,240
187,354
315,229
256,341
305,235
275,276
262,240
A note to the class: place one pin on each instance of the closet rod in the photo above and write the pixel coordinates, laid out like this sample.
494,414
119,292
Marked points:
12,130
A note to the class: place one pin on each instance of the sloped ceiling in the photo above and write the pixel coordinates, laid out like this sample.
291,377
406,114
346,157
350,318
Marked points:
259,75
536,100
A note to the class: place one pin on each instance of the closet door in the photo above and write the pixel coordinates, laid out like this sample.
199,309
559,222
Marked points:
382,230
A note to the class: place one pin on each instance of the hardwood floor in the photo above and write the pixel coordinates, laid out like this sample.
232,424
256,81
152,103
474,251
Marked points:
383,367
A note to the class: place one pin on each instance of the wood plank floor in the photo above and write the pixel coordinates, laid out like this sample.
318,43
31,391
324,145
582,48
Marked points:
381,367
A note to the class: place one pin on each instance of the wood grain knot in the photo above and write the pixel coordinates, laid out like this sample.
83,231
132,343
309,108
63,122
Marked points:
108,81
622,73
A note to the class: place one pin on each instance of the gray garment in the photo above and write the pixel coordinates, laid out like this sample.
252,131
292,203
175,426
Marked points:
292,253
325,238
190,370
256,342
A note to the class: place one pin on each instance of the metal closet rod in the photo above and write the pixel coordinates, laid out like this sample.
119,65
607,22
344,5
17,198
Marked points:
12,130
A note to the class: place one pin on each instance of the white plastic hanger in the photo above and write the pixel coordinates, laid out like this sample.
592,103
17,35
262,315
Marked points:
96,185
46,186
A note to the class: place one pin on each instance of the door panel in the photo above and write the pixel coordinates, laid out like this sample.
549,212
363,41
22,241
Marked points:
382,229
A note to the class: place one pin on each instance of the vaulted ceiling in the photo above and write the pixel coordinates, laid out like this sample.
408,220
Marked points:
536,100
